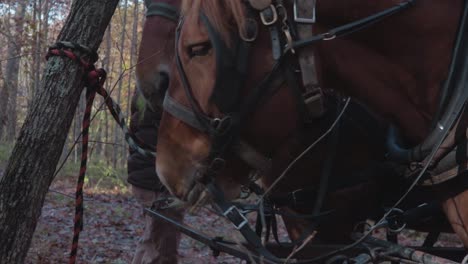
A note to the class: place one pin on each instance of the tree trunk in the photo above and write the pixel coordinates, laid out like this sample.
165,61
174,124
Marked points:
131,77
10,86
4,97
34,158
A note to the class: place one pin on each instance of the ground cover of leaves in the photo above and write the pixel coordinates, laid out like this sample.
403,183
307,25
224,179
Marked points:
113,224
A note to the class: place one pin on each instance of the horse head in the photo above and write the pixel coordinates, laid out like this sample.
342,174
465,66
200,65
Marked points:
156,50
215,101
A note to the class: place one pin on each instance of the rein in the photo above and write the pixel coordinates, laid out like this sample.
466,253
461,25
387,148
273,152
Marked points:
352,27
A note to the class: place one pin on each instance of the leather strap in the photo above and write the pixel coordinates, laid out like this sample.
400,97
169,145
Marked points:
314,95
269,17
230,211
252,157
162,9
182,113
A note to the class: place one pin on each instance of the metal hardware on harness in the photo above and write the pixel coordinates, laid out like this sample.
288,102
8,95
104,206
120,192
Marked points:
314,100
236,210
251,30
395,220
329,36
269,16
293,194
305,20
214,243
289,38
285,27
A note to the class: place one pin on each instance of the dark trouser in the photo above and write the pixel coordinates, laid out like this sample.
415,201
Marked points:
160,240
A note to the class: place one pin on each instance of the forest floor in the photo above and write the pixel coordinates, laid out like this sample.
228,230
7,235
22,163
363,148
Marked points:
113,224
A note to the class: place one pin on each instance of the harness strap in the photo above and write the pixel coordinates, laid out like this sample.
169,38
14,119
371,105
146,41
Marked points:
252,157
162,9
274,32
182,112
231,212
296,90
314,96
216,244
327,166
353,26
247,153
456,85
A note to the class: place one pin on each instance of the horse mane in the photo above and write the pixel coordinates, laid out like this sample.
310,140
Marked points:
224,15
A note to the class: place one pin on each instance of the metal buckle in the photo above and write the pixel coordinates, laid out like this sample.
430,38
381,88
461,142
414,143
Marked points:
305,20
395,221
329,36
244,220
273,19
287,33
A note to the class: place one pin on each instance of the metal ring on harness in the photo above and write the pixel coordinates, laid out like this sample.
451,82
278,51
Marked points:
329,36
273,19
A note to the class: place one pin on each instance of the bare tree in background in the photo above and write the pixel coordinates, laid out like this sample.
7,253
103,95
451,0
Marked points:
119,92
9,91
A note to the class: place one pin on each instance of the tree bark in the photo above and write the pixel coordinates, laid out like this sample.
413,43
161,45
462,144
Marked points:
35,156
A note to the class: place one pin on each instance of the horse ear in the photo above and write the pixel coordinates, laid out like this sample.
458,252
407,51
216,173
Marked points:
260,4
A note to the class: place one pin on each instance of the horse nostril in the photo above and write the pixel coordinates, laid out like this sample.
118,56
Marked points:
163,83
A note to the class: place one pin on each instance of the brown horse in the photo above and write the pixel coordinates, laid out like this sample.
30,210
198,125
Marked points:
159,241
394,67
156,51
155,56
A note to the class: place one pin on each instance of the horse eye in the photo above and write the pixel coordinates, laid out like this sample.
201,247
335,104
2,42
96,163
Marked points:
199,49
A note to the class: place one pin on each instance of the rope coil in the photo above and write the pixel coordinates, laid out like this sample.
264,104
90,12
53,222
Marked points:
94,82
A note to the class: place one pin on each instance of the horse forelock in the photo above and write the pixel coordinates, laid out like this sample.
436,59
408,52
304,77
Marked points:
224,15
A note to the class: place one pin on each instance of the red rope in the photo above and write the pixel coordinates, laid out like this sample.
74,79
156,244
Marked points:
94,81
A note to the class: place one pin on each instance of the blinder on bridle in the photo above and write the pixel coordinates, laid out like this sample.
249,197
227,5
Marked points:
169,12
231,72
161,9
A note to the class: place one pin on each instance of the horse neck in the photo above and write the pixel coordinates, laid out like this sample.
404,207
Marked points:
396,72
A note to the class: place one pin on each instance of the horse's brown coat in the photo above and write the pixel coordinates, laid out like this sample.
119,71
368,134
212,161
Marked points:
396,68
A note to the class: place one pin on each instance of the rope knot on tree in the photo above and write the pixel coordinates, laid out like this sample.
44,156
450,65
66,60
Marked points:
94,82
85,57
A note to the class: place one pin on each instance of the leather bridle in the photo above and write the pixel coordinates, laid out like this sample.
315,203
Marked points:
224,130
230,77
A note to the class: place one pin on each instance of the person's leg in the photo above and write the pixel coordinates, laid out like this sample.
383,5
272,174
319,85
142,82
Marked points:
160,240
